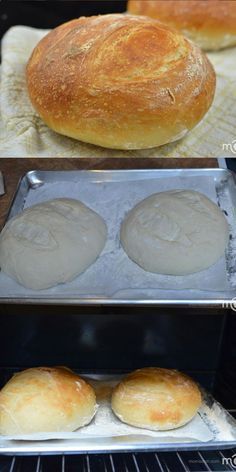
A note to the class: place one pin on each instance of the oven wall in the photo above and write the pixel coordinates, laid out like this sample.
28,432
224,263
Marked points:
225,385
113,339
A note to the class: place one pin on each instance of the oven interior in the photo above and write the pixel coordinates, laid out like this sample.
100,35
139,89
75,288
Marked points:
197,340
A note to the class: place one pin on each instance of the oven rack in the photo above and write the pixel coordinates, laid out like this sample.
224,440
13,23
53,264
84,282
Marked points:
188,461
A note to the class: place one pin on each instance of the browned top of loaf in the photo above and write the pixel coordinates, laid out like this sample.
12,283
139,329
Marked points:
137,61
168,396
60,383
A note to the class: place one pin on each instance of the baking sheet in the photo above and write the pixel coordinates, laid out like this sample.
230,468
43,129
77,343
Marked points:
211,425
112,194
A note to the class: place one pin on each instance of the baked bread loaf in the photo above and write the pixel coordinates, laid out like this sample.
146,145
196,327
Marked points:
156,399
177,232
120,81
45,399
51,243
209,23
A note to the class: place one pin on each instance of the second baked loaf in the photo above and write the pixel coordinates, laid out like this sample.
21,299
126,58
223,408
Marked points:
209,23
156,399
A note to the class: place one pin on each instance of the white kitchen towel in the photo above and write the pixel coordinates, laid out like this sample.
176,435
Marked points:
23,134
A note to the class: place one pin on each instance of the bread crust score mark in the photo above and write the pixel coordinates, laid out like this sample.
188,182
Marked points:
120,81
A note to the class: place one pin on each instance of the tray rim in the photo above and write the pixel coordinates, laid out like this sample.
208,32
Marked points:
103,449
223,303
25,176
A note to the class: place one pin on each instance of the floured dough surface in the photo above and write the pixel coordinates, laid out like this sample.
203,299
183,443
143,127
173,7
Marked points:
51,243
177,232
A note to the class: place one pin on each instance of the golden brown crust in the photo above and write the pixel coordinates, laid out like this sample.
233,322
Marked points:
210,23
120,81
45,399
155,398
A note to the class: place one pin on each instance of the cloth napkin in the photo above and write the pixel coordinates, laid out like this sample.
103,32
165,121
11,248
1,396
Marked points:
23,134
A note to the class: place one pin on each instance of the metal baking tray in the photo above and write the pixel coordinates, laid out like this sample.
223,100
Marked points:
213,428
112,193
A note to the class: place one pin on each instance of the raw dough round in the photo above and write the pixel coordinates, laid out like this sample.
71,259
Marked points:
177,232
51,243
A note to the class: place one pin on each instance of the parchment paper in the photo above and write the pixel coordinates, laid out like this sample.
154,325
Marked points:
203,427
114,274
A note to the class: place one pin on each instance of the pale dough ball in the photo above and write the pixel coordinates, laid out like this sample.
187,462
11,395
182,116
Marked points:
156,399
51,243
177,232
45,399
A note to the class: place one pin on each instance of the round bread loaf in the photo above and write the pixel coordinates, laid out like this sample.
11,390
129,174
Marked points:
176,232
209,23
157,399
120,81
45,399
51,243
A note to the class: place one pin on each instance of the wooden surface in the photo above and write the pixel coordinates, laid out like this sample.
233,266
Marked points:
14,169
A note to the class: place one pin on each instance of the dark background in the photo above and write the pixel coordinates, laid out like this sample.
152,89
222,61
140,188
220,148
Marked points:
48,14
